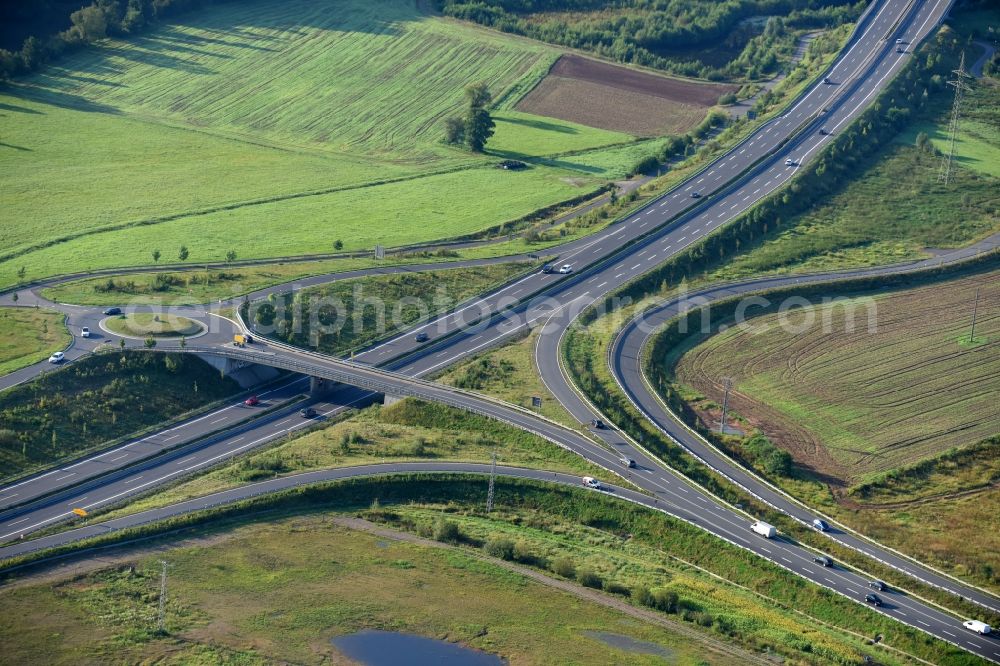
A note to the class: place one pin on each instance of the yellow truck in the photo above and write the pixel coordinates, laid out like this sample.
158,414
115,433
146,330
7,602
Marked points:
241,340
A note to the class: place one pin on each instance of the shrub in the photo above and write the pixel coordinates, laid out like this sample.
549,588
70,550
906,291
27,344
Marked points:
665,600
501,547
447,531
589,578
563,566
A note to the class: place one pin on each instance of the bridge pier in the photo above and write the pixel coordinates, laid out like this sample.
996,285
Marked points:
388,399
318,387
244,373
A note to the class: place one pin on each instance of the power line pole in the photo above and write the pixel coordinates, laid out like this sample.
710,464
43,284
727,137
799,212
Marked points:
727,382
493,475
960,87
975,310
163,596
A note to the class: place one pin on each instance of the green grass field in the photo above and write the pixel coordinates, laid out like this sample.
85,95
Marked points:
300,119
29,335
245,598
145,324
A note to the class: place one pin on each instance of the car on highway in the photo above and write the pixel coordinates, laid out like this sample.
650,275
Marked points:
789,162
252,401
421,337
591,482
826,80
308,413
57,357
85,332
548,268
900,49
877,585
823,560
628,462
823,131
820,525
873,599
565,268
696,195
899,40
977,626
113,311
597,423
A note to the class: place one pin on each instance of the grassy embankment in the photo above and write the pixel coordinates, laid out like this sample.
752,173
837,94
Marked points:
99,400
639,555
865,414
356,312
274,175
29,335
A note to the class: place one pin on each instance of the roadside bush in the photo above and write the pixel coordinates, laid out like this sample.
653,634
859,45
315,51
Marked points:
664,600
617,588
524,555
589,578
500,547
563,566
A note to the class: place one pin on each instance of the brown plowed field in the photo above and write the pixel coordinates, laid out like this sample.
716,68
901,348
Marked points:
617,98
849,404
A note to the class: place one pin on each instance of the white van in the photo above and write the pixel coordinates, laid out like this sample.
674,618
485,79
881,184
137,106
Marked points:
766,530
977,626
591,482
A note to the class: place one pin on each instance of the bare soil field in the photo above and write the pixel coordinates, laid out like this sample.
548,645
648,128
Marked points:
617,98
851,404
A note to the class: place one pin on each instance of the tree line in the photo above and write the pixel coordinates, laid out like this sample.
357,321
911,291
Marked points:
88,24
656,33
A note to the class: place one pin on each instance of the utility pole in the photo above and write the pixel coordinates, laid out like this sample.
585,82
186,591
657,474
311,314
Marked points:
727,383
493,475
960,87
975,310
163,596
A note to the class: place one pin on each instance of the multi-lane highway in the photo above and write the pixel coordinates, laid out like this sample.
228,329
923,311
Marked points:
653,234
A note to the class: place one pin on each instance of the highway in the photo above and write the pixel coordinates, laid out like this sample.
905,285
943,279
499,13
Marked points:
872,61
681,501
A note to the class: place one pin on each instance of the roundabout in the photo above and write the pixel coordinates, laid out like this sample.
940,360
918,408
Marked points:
141,325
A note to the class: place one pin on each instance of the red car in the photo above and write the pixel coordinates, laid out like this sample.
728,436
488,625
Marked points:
252,401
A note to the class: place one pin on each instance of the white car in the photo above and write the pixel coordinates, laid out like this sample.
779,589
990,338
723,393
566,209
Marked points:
789,162
565,268
591,482
58,357
85,332
977,626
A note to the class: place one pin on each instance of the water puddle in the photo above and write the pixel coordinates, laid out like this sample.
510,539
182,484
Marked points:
629,644
391,648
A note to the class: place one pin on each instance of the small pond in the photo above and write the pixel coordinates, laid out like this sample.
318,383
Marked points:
391,648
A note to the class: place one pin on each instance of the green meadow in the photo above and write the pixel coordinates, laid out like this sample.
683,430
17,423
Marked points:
274,128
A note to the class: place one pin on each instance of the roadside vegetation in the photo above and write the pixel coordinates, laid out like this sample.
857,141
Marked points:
29,335
241,595
701,39
350,314
98,400
643,557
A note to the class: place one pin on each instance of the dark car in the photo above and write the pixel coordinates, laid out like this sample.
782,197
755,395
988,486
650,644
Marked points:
823,131
826,80
252,401
824,560
422,337
819,524
308,413
597,423
628,462
873,599
696,195
113,311
877,585
548,268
